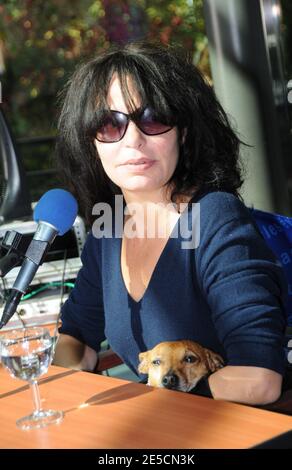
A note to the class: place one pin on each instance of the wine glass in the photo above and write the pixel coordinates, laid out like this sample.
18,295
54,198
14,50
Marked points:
27,354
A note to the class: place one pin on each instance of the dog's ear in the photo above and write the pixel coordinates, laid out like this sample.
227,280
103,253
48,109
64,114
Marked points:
214,361
143,367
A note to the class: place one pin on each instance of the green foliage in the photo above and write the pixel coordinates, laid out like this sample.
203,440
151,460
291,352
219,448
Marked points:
43,41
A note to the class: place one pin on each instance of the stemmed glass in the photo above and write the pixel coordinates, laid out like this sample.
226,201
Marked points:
27,354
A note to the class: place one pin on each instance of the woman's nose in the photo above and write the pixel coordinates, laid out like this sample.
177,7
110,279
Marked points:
133,137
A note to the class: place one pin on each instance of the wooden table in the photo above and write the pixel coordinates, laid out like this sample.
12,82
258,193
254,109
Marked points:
109,413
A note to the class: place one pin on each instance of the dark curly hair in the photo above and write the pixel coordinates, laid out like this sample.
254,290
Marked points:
165,79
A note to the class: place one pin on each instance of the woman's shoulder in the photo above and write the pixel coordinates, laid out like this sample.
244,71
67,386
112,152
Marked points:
214,211
221,206
216,197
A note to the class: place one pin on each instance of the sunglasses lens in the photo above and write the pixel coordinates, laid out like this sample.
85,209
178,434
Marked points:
112,128
151,124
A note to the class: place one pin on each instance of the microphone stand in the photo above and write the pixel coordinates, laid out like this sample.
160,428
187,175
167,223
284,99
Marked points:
19,248
16,245
33,257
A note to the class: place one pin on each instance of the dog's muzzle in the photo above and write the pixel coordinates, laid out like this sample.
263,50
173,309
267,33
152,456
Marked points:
170,381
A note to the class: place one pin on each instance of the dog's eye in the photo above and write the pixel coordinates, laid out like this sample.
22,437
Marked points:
190,359
156,362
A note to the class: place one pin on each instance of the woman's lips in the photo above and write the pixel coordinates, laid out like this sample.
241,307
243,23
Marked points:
139,166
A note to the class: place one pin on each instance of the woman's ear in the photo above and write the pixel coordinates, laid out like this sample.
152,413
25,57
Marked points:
183,136
95,145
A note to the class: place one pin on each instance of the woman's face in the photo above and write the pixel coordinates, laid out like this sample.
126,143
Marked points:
158,152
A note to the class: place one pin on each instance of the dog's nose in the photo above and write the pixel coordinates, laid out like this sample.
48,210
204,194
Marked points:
170,381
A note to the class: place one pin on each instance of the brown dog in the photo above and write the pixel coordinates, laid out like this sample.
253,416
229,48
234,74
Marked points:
178,365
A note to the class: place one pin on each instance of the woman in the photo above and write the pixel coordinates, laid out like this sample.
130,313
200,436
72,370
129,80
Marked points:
141,123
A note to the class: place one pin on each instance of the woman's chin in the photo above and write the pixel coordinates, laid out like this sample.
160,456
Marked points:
139,185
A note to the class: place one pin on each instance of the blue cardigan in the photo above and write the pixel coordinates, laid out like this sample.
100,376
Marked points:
226,294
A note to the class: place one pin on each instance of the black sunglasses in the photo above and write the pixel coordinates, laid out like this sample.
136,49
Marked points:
115,123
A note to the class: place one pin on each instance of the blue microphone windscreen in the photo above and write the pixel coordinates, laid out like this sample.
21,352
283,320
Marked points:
57,207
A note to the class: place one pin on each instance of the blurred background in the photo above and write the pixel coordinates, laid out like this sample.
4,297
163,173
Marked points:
42,42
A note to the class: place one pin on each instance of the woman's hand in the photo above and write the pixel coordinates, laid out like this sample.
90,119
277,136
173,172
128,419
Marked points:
73,354
248,385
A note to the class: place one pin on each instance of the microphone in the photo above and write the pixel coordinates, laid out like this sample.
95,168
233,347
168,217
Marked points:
55,213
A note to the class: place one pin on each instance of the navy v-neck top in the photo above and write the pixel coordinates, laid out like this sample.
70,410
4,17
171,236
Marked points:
226,294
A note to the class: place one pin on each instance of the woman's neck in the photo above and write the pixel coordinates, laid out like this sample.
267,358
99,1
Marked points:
152,214
160,196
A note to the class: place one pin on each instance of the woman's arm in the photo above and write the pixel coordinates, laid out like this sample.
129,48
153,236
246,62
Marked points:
244,288
82,328
73,354
245,384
